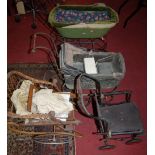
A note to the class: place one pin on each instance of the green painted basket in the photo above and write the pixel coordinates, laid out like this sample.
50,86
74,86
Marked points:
95,29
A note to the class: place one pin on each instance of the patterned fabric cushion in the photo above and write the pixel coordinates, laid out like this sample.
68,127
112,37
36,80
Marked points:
77,16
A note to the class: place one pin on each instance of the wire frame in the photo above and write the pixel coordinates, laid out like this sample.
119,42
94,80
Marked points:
54,145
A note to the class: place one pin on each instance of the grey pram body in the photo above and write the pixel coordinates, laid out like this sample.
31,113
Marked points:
110,66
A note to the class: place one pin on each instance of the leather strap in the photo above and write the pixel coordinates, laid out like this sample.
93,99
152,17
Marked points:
29,102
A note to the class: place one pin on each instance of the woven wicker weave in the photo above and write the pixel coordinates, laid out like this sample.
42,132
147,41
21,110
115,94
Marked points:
20,134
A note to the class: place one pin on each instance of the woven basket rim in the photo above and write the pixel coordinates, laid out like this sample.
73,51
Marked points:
13,115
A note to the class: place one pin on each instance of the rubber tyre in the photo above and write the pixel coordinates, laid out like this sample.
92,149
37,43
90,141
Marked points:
132,141
104,147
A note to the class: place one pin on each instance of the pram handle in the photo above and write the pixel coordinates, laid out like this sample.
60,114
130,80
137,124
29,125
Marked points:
80,94
49,39
78,82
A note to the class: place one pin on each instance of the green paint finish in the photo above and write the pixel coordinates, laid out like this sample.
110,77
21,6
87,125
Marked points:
82,32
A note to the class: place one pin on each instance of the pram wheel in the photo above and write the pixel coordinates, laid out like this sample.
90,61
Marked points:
132,141
106,147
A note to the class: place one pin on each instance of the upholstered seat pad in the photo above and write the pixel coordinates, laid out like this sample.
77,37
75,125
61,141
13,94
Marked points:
122,118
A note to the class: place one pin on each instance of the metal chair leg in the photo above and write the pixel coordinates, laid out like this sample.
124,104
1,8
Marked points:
129,17
139,6
122,5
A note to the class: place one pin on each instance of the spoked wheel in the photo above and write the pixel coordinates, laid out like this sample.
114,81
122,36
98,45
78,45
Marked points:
56,140
106,147
132,141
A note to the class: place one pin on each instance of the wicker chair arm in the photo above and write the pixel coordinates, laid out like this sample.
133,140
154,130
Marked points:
33,79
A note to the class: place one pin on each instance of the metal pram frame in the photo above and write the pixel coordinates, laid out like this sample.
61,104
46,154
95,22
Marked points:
117,120
100,99
69,73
